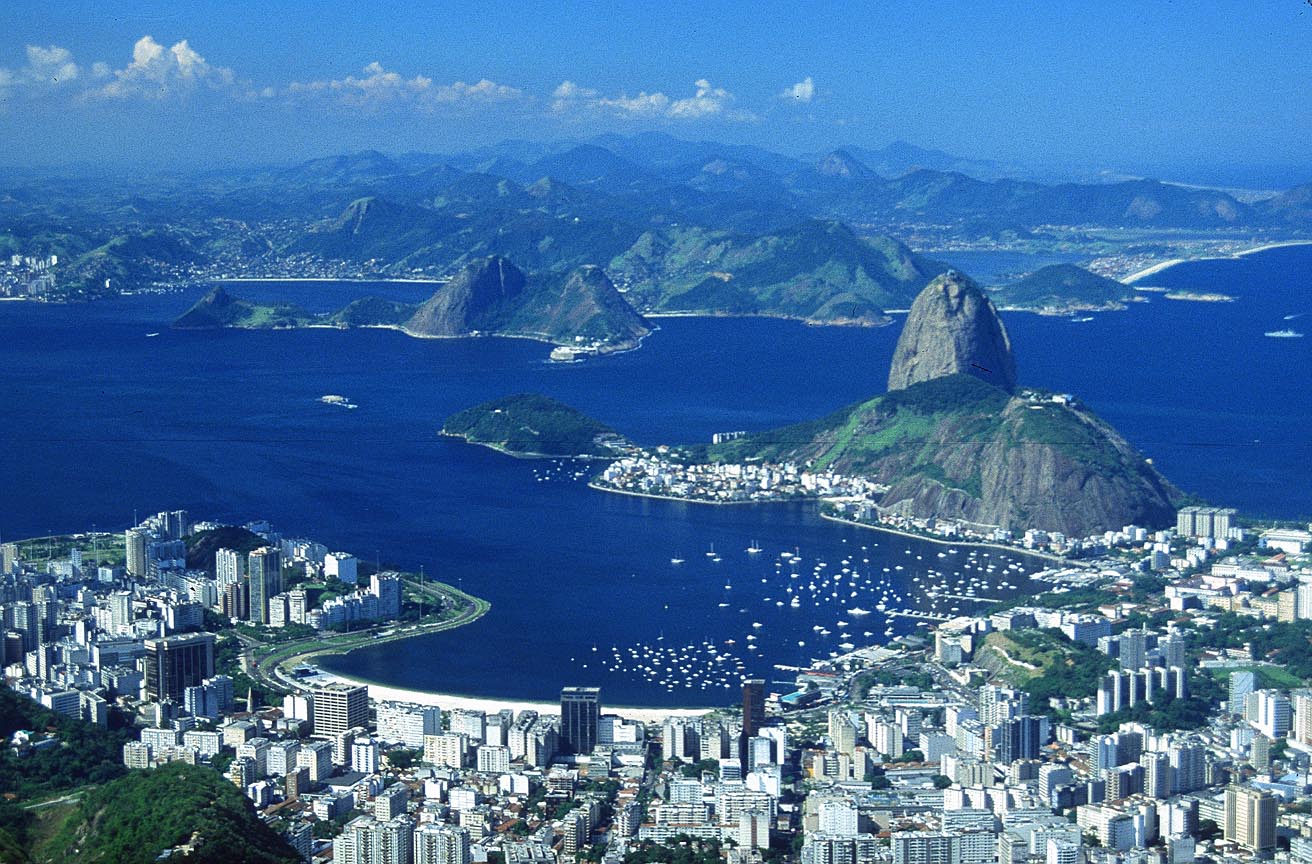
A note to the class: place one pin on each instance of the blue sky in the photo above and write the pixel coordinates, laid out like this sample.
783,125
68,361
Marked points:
1130,86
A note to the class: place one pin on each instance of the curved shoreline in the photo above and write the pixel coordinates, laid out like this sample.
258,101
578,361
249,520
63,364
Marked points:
941,542
488,704
1161,266
273,669
632,494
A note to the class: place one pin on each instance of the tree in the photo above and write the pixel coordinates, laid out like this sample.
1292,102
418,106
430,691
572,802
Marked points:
941,782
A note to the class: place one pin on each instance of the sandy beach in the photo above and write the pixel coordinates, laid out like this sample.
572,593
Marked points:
1163,265
446,701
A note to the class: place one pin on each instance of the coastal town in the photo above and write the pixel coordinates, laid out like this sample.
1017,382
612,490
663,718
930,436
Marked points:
1145,704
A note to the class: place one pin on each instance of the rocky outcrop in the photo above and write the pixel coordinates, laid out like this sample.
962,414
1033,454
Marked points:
494,297
478,298
953,328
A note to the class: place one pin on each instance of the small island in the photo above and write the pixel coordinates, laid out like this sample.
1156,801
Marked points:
534,426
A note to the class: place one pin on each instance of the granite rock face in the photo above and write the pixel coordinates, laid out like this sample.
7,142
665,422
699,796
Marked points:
952,329
476,299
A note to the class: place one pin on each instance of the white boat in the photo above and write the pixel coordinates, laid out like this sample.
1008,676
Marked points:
1284,334
676,560
754,549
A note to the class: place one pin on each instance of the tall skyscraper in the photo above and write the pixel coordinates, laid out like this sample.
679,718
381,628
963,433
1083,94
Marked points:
264,567
580,709
175,663
135,541
753,713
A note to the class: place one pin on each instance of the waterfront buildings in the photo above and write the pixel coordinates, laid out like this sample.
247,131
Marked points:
580,708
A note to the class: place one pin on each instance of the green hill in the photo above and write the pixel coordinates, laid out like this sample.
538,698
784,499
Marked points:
959,448
816,271
136,818
1063,287
529,424
219,309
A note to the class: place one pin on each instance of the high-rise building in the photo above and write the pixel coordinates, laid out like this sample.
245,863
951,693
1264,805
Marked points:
1134,650
264,569
1242,682
339,708
1301,731
135,541
229,567
826,849
1250,818
1188,767
365,840
926,847
753,713
175,663
408,724
1273,713
580,709
436,843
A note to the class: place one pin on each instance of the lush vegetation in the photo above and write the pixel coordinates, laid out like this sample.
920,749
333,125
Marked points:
371,312
219,309
1285,644
532,425
815,270
202,545
87,753
133,819
680,849
1044,663
1063,286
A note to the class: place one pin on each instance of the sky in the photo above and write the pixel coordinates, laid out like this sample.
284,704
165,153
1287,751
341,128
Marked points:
1129,86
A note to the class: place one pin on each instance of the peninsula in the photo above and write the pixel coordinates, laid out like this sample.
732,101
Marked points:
954,443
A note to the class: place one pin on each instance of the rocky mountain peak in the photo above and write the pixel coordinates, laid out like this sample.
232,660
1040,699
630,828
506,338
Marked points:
953,328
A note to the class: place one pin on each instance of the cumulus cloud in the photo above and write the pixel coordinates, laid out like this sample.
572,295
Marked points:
706,101
376,87
803,91
157,72
46,67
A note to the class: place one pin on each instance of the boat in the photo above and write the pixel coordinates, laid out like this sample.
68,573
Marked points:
151,335
676,560
754,549
1284,334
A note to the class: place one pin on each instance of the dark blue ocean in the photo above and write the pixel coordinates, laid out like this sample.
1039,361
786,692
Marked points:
99,420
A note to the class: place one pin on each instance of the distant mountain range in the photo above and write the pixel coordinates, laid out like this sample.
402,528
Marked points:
679,225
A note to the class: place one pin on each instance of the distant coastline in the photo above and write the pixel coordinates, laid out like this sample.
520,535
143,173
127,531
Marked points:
1165,265
322,279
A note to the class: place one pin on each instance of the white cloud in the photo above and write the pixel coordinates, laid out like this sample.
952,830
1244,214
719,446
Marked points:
803,91
46,68
376,86
157,72
706,101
